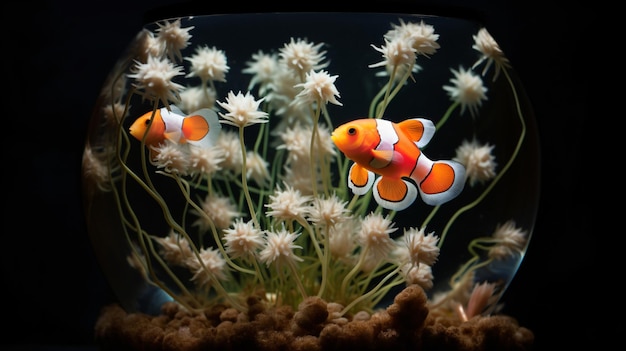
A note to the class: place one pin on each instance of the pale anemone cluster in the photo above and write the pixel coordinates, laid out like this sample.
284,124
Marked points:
479,161
490,52
467,90
294,230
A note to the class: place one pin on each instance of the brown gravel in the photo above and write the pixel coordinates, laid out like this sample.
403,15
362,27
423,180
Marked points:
404,325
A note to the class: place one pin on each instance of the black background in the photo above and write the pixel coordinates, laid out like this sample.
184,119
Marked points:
54,66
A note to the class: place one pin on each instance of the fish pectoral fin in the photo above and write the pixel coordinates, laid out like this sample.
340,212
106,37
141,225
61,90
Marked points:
360,180
382,158
419,130
394,194
174,136
443,183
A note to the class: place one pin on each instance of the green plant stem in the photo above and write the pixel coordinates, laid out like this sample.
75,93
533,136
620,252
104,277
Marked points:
446,115
244,179
354,270
376,98
147,247
469,266
383,292
396,89
504,170
369,293
326,261
380,109
308,229
296,277
316,117
431,215
216,237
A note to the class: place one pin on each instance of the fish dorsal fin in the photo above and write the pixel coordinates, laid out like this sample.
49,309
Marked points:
174,136
177,110
382,158
419,130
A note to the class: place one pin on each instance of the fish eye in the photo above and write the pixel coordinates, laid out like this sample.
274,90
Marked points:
148,121
352,131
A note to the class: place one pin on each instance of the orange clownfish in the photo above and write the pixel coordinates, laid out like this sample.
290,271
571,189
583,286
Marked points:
392,150
200,128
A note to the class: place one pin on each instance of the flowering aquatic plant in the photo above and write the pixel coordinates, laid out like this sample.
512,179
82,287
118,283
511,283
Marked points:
266,209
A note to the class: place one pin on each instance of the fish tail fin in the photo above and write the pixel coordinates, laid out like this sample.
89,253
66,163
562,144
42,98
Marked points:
394,194
360,180
201,128
444,182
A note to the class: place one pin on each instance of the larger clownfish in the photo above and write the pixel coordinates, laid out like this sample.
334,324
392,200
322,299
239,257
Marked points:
392,150
200,128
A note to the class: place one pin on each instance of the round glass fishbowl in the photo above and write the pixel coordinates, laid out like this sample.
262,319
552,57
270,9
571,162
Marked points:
358,162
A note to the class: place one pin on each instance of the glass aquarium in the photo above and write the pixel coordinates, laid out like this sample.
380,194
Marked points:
287,156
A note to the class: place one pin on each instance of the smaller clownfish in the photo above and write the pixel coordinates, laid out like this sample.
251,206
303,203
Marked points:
200,128
392,150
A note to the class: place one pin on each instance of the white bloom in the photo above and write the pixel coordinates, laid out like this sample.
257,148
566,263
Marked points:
113,114
171,157
422,248
301,56
175,248
374,235
173,38
196,98
205,160
217,210
146,45
263,68
490,51
298,175
114,88
243,110
287,204
479,161
510,240
318,87
279,248
210,269
208,64
328,211
468,90
242,239
397,52
421,275
282,91
324,146
228,142
257,168
153,79
95,169
297,140
400,71
343,239
421,36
